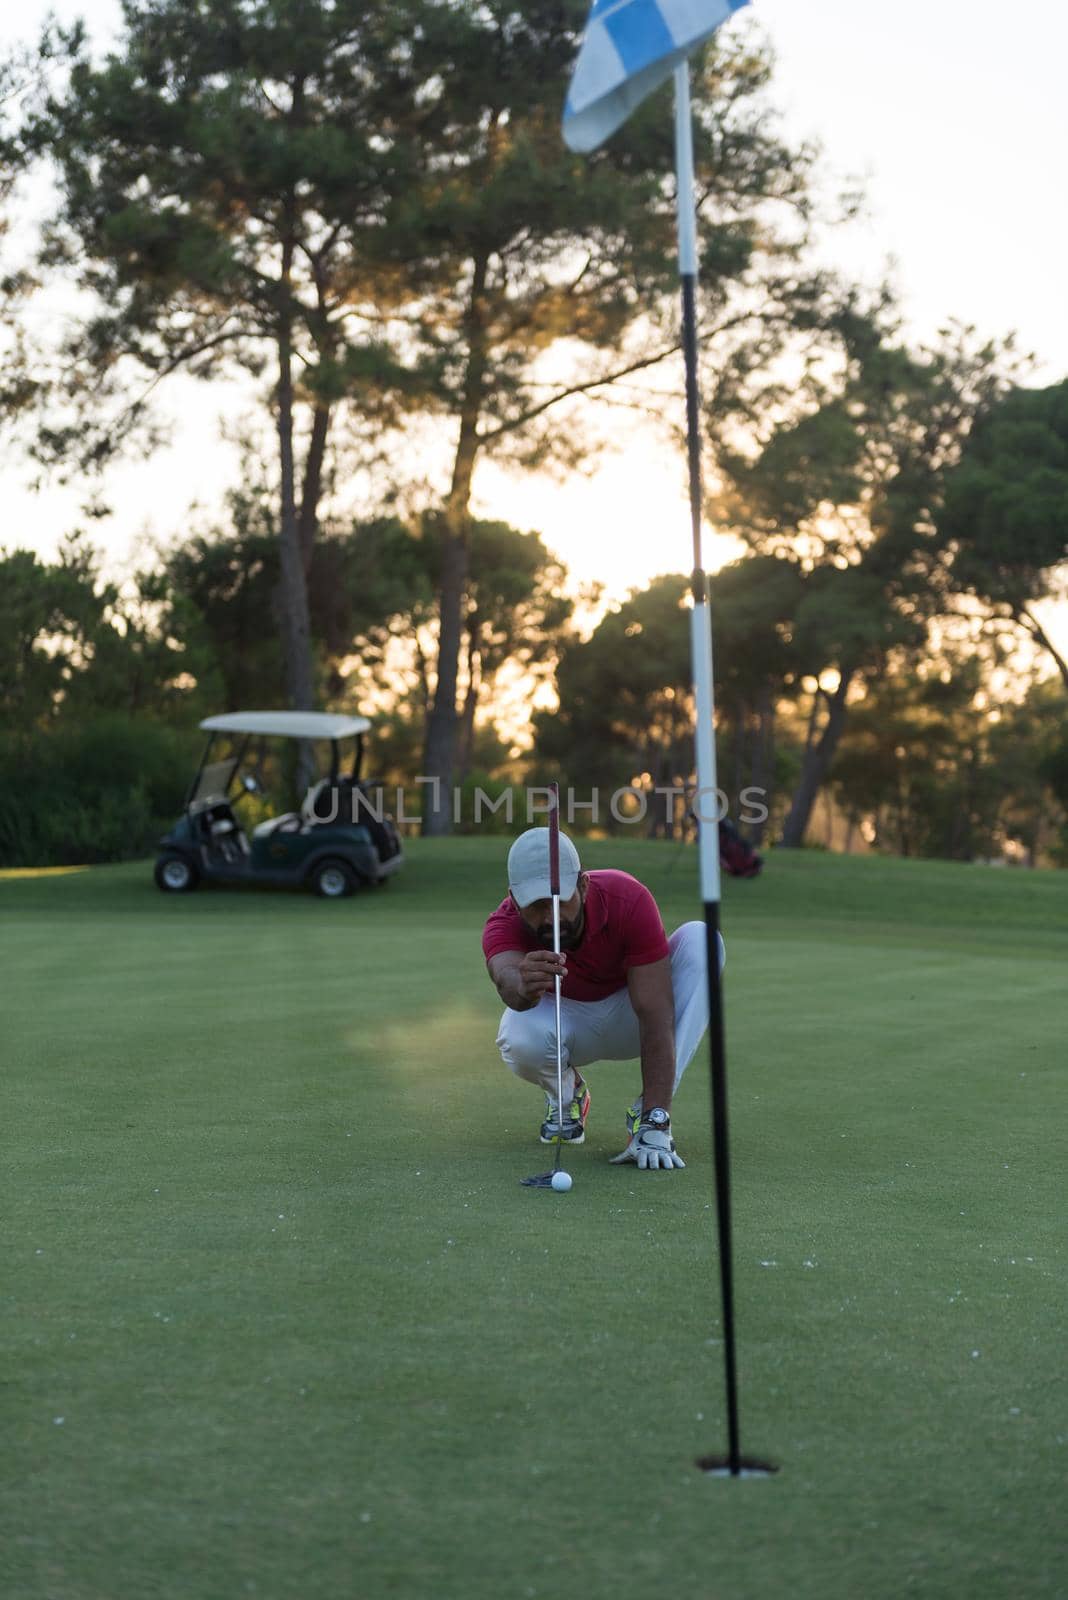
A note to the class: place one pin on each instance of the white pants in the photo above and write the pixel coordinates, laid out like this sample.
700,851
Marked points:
607,1030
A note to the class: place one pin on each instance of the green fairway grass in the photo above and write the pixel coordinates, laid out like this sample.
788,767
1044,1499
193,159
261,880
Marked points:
279,1320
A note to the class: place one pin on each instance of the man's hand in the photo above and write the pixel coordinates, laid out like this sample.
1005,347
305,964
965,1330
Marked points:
521,980
652,1149
537,972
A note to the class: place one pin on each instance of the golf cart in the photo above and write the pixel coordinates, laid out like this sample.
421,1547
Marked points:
337,841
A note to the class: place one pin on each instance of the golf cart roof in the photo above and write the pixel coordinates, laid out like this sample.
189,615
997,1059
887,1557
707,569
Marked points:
287,724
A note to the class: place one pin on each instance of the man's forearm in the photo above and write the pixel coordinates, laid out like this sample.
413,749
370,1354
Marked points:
657,1037
511,991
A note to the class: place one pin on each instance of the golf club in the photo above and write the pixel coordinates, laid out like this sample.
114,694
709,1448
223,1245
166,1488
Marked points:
544,1179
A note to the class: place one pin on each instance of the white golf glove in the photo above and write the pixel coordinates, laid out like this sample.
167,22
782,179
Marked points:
652,1148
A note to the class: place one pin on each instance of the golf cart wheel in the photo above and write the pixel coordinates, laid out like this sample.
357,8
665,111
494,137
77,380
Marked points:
176,874
333,880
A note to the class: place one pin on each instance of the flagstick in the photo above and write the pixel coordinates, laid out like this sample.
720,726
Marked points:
554,890
707,803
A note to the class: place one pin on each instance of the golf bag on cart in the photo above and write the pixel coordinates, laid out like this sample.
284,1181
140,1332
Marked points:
357,801
736,855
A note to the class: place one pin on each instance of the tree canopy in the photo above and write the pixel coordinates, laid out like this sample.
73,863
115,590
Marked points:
365,213
370,206
1005,513
851,486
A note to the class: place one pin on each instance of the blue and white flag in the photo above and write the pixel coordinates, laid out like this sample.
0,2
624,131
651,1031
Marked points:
628,49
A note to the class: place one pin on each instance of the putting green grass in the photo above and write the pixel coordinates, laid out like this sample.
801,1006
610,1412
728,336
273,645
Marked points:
280,1321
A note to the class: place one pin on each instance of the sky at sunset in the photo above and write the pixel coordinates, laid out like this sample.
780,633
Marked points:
954,117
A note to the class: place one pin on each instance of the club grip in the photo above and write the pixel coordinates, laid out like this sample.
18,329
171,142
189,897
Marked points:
554,838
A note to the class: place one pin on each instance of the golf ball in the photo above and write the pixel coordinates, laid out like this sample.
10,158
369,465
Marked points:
561,1182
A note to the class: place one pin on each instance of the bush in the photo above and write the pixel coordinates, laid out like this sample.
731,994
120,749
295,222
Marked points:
102,790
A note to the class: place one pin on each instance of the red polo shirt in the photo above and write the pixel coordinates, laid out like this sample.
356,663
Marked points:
623,930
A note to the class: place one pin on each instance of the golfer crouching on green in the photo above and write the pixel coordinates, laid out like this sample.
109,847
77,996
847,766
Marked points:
627,991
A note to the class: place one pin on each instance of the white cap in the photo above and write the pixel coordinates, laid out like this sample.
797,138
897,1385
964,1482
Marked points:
528,867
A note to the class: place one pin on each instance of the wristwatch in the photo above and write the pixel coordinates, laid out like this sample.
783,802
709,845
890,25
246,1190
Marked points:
657,1118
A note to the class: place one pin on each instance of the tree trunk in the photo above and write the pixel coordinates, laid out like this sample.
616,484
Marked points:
741,718
296,623
300,679
818,756
440,749
424,674
312,487
763,762
467,718
657,822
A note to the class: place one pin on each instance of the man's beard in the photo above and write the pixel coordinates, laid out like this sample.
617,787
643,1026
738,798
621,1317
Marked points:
570,932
